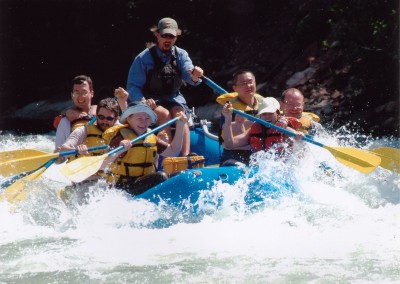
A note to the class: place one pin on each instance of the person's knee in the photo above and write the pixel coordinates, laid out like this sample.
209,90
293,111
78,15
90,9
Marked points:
176,109
163,114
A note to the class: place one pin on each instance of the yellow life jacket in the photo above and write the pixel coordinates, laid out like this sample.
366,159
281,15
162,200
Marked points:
239,105
113,131
80,122
139,160
94,138
306,120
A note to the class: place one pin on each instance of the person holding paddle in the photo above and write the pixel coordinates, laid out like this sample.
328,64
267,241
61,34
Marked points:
157,74
246,99
258,136
134,170
292,105
83,137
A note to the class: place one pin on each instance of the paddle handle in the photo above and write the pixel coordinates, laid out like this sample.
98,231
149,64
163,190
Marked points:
268,124
74,152
144,135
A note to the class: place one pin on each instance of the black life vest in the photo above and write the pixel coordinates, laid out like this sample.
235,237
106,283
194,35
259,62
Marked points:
165,79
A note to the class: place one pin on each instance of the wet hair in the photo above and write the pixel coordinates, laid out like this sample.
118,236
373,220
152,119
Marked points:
80,79
283,96
108,103
240,72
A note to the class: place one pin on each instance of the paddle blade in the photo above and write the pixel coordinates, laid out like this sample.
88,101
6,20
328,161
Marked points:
17,191
390,158
82,168
18,154
357,159
24,164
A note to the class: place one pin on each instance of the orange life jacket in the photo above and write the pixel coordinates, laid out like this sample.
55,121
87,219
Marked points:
263,138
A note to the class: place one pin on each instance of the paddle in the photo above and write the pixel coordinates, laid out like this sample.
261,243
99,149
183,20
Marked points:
16,191
357,159
390,158
26,160
82,168
18,154
20,161
214,86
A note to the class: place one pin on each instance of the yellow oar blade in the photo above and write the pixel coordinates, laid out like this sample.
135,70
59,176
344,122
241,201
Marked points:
18,154
24,164
390,158
357,159
17,191
82,168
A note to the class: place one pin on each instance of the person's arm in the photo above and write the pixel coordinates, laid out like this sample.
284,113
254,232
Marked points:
299,135
231,141
137,77
190,74
62,133
122,98
76,138
175,147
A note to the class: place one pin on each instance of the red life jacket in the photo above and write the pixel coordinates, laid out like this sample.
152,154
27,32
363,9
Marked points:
263,138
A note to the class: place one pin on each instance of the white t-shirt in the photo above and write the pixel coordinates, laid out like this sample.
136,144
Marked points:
63,131
77,137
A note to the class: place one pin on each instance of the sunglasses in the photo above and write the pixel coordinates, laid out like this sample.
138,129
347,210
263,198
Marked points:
102,117
169,36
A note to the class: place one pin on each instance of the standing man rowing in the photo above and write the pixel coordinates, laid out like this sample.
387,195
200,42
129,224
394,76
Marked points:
157,74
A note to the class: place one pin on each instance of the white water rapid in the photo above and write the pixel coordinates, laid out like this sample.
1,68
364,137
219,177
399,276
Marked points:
343,228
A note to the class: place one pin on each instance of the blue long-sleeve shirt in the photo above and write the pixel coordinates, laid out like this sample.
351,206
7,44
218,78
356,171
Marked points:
144,62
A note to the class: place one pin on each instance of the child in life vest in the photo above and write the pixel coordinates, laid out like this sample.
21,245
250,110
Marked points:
260,137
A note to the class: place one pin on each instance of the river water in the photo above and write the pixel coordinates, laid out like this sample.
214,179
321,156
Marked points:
340,228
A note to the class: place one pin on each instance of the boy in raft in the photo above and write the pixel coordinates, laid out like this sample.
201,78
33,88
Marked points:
135,169
260,137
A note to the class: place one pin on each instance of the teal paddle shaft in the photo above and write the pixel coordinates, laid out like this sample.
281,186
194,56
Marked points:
268,124
144,135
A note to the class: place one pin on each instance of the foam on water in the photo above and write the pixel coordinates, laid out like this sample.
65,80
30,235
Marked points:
343,227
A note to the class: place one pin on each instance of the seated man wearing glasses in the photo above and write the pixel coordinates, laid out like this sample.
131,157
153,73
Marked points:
87,136
78,115
157,74
292,105
91,135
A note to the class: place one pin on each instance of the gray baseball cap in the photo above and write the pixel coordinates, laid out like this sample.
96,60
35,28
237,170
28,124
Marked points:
168,26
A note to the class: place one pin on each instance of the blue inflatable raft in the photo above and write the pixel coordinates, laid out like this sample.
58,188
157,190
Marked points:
194,186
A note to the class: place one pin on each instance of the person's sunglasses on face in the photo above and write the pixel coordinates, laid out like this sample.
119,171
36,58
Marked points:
169,36
102,117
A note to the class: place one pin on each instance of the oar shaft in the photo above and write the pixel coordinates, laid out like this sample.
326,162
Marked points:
266,123
214,86
74,152
119,148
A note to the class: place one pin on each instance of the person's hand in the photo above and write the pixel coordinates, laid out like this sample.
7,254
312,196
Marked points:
151,103
126,144
121,94
196,73
83,114
299,135
227,111
182,117
82,149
